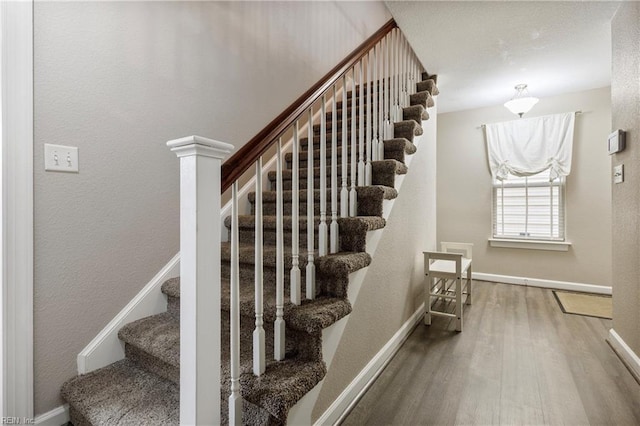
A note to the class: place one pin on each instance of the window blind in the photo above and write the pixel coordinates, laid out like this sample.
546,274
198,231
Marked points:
529,207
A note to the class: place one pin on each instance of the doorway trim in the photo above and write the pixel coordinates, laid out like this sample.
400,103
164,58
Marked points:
16,155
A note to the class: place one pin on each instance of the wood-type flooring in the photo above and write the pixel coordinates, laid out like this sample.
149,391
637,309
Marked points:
519,361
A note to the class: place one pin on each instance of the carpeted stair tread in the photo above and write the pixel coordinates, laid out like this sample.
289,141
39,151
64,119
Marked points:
416,129
287,196
398,167
370,199
157,335
344,261
269,222
124,394
426,76
409,113
423,98
399,144
315,315
409,149
383,172
171,287
406,129
428,85
283,384
416,113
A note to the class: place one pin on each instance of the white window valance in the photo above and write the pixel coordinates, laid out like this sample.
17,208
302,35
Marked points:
529,146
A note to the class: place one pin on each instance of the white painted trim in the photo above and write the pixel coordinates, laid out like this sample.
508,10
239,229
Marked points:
16,399
537,282
56,417
338,410
106,348
530,244
626,354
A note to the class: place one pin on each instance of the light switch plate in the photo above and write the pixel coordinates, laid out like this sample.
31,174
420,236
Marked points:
59,158
618,174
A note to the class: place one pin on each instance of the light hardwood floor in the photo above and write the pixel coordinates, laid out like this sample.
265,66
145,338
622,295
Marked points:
519,361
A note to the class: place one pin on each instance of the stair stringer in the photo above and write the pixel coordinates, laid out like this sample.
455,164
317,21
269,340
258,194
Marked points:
301,413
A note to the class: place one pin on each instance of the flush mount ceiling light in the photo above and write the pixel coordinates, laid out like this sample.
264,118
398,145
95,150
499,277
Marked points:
521,102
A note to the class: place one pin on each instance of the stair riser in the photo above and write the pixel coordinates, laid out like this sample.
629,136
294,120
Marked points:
329,114
153,364
247,276
388,155
325,286
339,121
269,209
382,173
346,242
302,184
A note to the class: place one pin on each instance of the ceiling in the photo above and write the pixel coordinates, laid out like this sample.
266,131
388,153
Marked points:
482,49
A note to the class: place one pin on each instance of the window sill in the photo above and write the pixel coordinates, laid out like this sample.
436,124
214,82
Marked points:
530,244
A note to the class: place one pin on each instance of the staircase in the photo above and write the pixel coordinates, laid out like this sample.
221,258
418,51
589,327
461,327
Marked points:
143,388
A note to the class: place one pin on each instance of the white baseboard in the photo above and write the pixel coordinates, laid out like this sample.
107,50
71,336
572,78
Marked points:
56,417
354,391
536,282
625,353
106,348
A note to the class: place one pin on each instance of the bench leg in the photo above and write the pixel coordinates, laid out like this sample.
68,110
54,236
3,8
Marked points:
427,301
469,285
459,304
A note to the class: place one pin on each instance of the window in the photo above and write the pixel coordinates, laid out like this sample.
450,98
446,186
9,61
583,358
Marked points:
529,208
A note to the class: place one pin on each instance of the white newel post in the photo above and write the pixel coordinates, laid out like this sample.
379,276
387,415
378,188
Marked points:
200,180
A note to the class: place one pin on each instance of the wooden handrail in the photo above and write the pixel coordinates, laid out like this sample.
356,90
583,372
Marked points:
249,153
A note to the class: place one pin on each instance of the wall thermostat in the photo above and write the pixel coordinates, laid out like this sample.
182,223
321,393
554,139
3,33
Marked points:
616,141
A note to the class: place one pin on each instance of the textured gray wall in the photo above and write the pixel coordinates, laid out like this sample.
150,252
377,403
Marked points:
464,192
119,79
625,99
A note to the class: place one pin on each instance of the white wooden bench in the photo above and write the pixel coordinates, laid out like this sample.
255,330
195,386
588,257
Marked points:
445,289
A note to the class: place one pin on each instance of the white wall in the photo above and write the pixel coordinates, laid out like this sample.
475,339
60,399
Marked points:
119,79
464,192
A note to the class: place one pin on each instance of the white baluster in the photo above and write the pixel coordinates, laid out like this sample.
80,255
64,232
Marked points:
392,78
353,194
410,81
398,111
381,135
333,230
344,193
388,88
200,235
311,267
296,292
407,71
414,76
361,180
259,361
374,106
322,229
235,399
367,164
279,325
403,71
